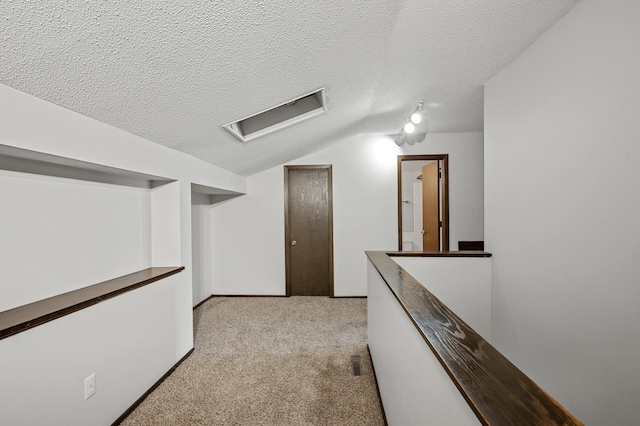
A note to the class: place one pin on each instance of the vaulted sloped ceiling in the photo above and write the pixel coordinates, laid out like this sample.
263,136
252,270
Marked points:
176,72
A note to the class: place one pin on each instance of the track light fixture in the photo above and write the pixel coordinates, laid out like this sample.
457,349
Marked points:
416,117
400,138
406,134
411,139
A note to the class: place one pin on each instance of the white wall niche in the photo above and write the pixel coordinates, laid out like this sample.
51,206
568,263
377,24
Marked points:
203,198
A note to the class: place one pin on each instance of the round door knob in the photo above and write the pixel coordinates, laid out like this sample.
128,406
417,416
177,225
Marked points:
294,242
422,232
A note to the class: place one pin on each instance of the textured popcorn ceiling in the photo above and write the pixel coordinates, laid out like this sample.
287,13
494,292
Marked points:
175,72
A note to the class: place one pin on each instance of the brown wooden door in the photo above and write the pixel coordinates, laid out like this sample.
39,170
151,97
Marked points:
309,230
430,207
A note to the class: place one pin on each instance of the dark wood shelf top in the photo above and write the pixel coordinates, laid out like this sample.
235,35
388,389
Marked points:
496,390
461,253
28,316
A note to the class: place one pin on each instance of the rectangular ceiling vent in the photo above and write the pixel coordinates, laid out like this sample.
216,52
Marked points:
279,117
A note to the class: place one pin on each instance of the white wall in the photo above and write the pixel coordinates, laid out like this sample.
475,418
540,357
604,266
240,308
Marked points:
414,387
43,369
408,182
561,206
201,246
249,230
461,283
62,233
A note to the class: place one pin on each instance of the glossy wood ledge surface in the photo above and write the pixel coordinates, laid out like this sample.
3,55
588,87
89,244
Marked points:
496,390
28,316
461,253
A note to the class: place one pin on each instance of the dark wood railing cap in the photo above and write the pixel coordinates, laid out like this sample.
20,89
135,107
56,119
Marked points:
462,253
28,316
496,390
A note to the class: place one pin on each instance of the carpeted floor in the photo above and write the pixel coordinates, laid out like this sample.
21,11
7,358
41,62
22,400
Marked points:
270,361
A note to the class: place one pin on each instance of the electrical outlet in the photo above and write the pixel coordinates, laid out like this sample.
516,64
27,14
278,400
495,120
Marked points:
89,386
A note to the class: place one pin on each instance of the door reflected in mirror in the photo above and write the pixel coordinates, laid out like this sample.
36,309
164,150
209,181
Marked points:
423,202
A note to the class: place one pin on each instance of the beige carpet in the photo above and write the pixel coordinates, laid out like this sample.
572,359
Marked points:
270,361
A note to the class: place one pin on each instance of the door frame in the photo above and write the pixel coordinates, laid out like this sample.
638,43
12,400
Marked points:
445,196
287,236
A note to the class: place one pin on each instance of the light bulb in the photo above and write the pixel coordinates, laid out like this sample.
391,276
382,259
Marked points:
416,118
409,127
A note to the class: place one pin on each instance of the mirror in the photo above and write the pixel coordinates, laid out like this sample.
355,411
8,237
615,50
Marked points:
423,202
